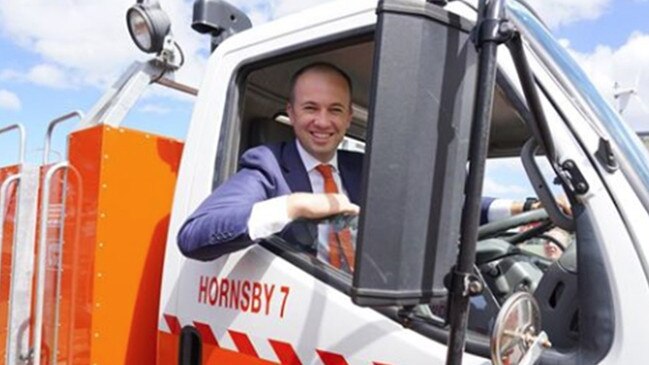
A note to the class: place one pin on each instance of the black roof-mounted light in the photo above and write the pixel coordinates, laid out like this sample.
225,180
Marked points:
148,25
219,19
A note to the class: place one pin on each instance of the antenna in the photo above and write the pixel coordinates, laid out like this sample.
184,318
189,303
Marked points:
623,95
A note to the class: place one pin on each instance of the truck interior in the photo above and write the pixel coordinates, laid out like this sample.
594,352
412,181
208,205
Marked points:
511,256
266,90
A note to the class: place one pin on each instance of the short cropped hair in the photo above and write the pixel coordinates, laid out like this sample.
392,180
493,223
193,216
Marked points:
319,66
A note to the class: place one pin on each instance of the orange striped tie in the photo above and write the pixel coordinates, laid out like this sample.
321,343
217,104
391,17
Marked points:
344,235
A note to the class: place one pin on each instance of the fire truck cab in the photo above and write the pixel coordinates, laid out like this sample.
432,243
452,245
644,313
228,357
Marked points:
427,123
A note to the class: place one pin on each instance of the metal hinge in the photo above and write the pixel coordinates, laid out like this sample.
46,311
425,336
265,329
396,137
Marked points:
574,178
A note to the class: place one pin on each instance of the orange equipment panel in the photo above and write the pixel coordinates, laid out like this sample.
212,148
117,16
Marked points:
119,192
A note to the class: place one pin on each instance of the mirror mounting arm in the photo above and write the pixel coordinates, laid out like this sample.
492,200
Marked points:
539,126
406,315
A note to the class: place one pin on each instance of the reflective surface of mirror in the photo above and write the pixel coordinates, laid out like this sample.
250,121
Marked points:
517,337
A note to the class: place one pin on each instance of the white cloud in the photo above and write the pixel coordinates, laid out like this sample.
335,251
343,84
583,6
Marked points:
9,100
154,109
625,65
492,187
88,39
259,11
505,178
44,74
561,12
48,75
9,74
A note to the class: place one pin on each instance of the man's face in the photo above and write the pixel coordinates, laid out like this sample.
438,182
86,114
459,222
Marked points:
320,112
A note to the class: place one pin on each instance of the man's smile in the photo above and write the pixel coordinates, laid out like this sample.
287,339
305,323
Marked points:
321,136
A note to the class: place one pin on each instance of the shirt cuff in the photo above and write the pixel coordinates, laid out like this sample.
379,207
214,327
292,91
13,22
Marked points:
499,209
268,217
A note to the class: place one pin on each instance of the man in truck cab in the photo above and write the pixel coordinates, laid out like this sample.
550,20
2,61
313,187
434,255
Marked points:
308,177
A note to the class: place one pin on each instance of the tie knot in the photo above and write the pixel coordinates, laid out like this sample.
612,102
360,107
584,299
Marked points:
325,171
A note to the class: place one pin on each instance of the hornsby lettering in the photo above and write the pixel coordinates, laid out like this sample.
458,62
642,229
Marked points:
243,295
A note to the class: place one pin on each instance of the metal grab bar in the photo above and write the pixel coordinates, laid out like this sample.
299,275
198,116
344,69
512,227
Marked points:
42,249
50,130
20,286
4,188
13,178
21,141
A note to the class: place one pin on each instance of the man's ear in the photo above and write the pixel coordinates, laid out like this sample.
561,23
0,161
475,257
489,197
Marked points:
351,116
290,111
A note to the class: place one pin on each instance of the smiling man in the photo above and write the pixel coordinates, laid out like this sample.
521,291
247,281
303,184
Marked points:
320,110
278,183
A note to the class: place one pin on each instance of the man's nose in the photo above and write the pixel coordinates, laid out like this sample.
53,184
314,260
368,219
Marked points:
322,118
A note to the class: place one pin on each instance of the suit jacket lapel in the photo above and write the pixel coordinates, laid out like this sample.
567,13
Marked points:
294,170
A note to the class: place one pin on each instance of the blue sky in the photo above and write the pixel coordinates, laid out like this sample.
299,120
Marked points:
612,28
60,55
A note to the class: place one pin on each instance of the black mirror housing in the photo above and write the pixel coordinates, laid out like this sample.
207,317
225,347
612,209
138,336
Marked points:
415,166
218,18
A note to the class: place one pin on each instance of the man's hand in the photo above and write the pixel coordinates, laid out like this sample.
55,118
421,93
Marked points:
314,206
562,203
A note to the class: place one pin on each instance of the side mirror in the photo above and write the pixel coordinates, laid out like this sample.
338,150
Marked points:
517,338
415,162
219,19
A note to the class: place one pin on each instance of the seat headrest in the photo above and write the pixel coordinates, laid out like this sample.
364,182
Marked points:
264,131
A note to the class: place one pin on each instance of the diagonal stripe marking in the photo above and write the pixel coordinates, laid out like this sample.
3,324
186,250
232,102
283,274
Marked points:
285,353
173,323
330,358
243,344
206,333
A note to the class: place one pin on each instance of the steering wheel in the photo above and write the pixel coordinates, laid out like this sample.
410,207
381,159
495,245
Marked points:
498,227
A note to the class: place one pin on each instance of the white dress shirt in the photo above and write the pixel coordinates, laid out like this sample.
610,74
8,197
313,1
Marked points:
271,216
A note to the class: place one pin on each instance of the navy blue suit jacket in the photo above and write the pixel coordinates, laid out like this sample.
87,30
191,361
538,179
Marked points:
220,224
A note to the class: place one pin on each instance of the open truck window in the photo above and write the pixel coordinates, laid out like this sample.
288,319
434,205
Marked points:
260,118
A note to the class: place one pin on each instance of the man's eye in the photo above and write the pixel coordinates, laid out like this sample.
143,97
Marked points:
309,108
